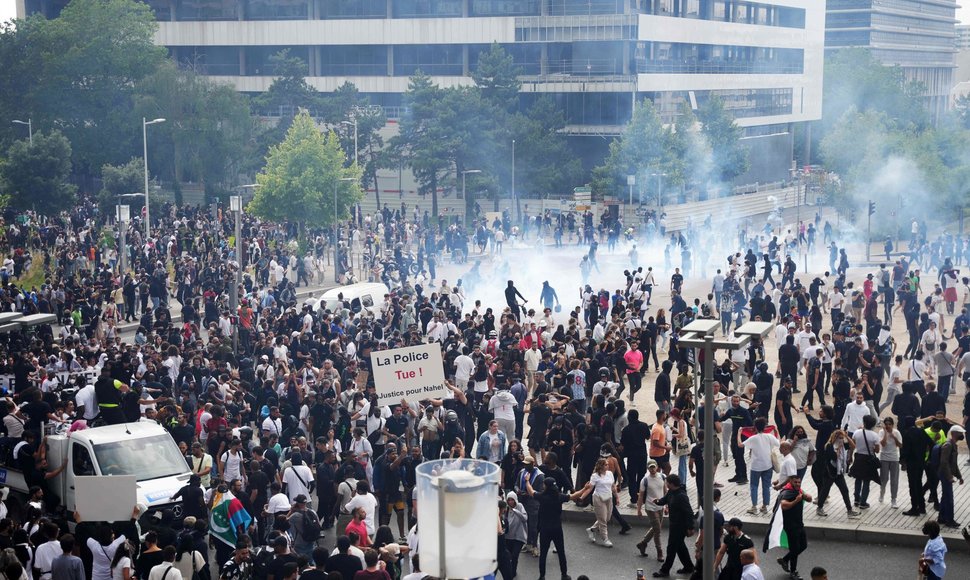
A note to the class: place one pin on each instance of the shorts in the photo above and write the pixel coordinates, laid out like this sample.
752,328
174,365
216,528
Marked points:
395,505
663,460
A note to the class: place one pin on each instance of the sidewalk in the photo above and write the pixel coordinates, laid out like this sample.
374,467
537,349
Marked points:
175,307
878,524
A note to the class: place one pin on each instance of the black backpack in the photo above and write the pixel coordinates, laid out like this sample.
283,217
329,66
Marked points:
311,525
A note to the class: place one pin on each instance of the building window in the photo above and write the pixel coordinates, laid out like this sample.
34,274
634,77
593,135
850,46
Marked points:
192,10
673,57
209,60
259,59
427,8
337,9
503,7
440,59
584,7
366,60
276,10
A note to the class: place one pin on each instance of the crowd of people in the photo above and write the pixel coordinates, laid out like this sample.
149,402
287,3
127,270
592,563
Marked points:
275,404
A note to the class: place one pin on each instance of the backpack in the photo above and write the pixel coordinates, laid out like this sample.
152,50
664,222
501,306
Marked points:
311,525
935,453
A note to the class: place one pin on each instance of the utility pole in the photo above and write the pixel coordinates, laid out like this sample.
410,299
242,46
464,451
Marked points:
872,210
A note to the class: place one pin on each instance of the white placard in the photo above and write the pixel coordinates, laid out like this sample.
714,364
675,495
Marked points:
413,373
105,498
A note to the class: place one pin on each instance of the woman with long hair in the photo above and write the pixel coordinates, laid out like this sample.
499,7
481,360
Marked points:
602,487
122,567
188,560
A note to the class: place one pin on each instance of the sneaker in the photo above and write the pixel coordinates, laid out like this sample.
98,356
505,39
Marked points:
784,564
881,497
764,509
753,510
854,513
795,575
589,534
607,544
864,506
821,513
894,505
625,530
525,548
535,552
742,482
632,504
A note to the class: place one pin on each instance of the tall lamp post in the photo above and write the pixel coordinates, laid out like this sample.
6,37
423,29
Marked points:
144,141
660,194
30,128
513,181
336,223
235,206
631,180
124,214
463,174
700,334
353,121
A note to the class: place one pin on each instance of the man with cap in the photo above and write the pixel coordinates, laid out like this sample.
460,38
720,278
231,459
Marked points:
528,484
734,543
281,557
303,541
949,471
652,487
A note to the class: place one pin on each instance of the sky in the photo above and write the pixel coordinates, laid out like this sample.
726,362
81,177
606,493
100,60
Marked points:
8,9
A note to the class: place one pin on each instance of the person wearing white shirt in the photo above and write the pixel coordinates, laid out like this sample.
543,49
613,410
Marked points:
789,467
273,424
866,443
890,441
366,500
652,488
854,413
46,552
298,478
895,384
166,570
751,570
761,446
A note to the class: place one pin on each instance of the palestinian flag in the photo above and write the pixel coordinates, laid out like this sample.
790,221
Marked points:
776,536
226,516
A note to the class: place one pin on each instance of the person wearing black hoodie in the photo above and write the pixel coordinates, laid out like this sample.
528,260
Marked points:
913,456
681,517
661,393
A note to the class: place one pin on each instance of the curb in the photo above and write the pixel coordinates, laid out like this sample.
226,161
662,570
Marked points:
831,532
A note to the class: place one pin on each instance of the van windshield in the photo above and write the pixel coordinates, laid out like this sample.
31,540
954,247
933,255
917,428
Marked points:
145,457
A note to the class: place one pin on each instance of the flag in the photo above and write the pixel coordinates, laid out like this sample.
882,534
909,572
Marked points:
226,516
776,536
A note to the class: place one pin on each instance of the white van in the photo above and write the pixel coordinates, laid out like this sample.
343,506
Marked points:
367,296
143,449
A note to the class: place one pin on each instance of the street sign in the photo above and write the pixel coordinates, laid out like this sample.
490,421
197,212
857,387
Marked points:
413,373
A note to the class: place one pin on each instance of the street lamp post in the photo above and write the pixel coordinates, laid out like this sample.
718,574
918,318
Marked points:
353,121
463,174
660,195
30,128
235,206
336,223
513,180
124,214
700,334
144,141
631,180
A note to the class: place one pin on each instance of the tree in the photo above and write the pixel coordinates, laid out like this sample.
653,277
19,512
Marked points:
206,136
289,91
121,179
729,159
498,78
36,175
422,141
645,146
297,184
87,63
544,163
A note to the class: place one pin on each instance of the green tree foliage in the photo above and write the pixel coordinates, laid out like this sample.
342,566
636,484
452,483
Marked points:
80,72
544,163
297,184
729,159
645,147
35,176
497,78
422,143
121,179
207,134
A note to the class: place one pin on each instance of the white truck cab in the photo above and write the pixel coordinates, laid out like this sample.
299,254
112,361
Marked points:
143,449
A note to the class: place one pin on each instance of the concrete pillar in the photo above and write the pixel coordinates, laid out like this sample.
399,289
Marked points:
464,58
242,61
390,60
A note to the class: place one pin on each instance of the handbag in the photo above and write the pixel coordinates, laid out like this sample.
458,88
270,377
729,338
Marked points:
865,466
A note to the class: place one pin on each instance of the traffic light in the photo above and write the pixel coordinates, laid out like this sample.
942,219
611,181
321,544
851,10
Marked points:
872,207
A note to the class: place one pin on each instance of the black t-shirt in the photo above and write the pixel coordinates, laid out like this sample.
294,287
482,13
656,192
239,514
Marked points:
346,564
104,389
322,415
792,517
397,425
279,561
313,575
36,412
736,545
550,509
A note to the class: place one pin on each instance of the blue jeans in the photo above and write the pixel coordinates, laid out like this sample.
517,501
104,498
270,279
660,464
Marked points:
682,467
764,477
861,490
946,500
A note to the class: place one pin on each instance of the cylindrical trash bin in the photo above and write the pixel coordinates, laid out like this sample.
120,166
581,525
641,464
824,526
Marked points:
458,517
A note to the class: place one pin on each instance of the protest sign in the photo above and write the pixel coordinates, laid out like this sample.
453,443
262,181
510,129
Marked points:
413,373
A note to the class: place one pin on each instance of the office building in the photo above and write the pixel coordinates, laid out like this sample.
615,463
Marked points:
595,58
918,36
963,36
